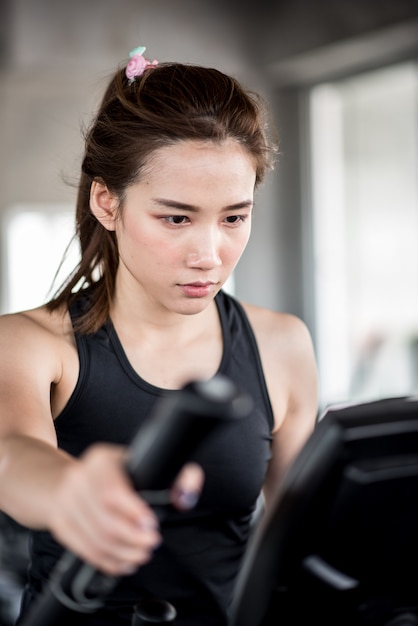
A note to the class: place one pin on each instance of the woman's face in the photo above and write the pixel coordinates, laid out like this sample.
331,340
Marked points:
185,224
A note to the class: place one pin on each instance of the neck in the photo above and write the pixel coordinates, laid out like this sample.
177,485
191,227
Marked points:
137,314
164,347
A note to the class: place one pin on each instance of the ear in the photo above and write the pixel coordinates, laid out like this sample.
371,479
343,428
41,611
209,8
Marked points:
103,205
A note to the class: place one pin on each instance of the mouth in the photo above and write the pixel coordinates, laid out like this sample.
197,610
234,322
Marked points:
197,289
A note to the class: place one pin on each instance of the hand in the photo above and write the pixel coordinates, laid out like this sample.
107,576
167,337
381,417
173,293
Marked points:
100,517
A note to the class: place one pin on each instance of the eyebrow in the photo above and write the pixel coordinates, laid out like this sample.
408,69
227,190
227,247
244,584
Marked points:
183,206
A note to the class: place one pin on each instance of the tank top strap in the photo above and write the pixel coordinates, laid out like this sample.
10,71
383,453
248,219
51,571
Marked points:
241,359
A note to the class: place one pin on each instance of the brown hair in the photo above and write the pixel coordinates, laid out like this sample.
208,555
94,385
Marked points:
167,104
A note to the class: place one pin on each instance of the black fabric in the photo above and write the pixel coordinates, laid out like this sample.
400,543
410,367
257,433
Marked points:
196,567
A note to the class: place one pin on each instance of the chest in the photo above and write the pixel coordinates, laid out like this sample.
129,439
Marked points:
111,402
234,458
169,365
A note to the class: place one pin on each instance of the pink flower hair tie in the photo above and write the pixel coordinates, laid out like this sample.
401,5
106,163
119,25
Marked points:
138,64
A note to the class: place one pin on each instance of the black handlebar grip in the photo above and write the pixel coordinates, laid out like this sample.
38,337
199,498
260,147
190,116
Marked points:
182,421
179,422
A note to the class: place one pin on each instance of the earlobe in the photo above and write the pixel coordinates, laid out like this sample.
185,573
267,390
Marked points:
103,205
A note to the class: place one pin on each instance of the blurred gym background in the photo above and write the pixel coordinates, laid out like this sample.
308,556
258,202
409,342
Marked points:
335,228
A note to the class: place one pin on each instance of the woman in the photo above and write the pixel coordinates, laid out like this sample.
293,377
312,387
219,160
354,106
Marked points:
164,208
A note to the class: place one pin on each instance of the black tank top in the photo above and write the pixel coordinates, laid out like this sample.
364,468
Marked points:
196,566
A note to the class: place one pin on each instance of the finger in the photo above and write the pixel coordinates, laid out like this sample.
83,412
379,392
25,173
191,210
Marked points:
110,543
187,487
108,524
114,489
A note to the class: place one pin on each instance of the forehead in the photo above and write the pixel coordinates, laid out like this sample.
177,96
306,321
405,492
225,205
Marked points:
199,158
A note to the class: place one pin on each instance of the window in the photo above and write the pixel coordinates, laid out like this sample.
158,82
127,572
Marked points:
364,158
35,237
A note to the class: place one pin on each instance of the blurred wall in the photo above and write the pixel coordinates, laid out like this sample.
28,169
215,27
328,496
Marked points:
56,57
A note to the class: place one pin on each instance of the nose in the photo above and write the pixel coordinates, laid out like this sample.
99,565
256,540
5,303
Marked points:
204,253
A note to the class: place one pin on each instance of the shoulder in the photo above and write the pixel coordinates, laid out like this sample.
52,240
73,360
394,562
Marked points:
278,332
268,324
37,369
287,355
289,366
39,321
36,335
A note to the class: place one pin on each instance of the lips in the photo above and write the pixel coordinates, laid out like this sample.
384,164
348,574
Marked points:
197,289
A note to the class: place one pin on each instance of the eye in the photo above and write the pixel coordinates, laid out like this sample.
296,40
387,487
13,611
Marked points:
235,219
176,220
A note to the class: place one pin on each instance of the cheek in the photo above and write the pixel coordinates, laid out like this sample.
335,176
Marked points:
236,247
134,238
149,250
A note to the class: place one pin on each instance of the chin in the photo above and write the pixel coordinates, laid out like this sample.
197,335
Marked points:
192,306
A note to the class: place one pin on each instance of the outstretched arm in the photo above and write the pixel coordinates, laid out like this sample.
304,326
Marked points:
88,504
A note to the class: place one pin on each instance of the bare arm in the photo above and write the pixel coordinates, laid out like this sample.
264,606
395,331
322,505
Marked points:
30,465
290,370
88,504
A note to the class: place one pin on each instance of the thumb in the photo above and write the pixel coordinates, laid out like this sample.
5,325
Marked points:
187,487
